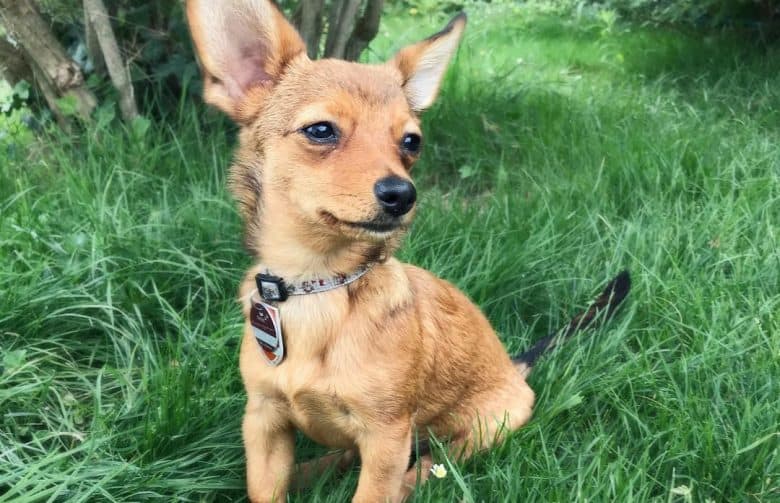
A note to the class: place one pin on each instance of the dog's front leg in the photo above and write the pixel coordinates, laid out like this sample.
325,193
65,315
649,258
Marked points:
269,442
384,456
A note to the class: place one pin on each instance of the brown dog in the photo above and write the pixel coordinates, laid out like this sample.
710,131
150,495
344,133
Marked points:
377,350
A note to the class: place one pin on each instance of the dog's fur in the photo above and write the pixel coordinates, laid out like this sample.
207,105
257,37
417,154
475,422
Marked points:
398,351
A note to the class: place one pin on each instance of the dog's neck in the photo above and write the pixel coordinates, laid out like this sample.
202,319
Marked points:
288,247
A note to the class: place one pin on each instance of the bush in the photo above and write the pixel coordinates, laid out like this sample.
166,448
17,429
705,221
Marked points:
703,13
16,121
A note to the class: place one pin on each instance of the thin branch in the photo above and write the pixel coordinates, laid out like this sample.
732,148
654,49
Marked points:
365,31
119,73
93,45
336,6
13,67
309,16
342,22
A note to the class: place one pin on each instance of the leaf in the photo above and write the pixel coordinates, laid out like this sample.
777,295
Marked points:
68,105
6,96
758,442
467,171
22,90
570,402
105,114
684,491
503,175
13,360
140,126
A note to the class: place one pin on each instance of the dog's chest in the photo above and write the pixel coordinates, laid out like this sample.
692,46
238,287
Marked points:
321,401
317,385
340,368
327,418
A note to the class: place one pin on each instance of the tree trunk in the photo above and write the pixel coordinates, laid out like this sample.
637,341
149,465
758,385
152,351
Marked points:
13,67
347,36
365,31
341,23
58,76
119,73
309,23
93,45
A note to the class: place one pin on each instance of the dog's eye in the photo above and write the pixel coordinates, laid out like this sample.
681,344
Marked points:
411,143
321,132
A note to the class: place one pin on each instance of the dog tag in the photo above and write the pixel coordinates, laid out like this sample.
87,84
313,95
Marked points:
267,328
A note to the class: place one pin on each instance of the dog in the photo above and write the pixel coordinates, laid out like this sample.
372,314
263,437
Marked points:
341,340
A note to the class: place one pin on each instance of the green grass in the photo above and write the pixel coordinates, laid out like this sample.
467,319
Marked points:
559,153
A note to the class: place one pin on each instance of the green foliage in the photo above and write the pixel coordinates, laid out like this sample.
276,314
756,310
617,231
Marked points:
15,118
431,7
707,12
703,13
13,97
440,9
139,127
63,11
68,106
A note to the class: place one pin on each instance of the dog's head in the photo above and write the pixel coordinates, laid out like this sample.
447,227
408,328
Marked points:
330,142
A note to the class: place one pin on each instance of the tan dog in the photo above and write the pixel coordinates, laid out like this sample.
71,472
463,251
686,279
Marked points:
379,350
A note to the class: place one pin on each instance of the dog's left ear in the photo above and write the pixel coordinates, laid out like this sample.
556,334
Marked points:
424,64
244,47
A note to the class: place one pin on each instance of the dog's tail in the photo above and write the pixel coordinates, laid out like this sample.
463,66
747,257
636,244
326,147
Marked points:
599,311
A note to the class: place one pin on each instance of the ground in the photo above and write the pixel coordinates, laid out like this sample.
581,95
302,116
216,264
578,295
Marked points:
561,151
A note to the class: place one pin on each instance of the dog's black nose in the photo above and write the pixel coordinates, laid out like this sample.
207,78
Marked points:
395,195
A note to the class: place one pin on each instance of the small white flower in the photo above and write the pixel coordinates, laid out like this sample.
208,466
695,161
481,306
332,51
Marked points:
439,471
684,491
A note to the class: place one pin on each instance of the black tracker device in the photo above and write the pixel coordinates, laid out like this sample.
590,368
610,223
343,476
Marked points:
271,288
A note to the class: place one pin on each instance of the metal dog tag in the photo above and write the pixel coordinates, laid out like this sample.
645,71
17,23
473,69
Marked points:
267,328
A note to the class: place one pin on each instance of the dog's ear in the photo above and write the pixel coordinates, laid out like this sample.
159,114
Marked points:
244,47
424,64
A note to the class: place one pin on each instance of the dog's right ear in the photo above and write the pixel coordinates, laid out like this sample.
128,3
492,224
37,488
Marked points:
423,64
244,47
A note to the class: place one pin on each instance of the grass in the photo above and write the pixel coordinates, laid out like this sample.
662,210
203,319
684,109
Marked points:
560,153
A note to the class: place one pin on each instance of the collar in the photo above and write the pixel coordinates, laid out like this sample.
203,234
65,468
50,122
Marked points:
274,289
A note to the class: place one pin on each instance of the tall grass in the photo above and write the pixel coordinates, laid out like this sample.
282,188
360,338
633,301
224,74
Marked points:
560,152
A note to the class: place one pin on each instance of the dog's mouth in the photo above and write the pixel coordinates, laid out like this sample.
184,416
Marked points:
379,225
